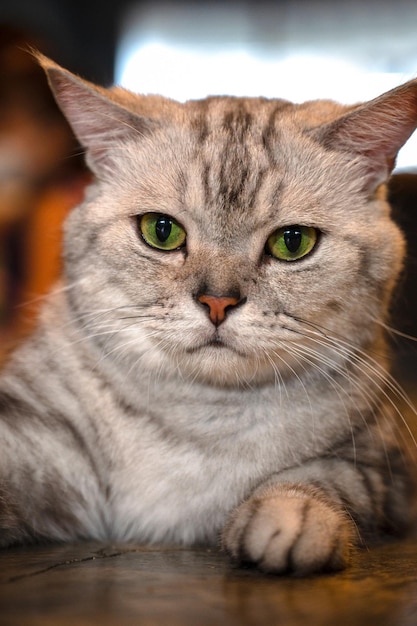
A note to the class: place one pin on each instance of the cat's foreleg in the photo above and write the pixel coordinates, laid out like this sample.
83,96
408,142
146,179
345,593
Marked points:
50,488
308,519
289,528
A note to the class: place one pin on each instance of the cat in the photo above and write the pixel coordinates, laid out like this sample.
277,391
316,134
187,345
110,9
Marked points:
212,368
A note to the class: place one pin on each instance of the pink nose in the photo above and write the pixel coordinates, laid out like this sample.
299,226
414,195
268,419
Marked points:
217,306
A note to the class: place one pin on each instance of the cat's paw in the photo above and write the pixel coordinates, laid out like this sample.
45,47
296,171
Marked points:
289,529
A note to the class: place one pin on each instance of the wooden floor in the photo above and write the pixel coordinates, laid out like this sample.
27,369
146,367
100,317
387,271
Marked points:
129,585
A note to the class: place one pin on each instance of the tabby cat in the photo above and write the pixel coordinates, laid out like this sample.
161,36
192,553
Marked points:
212,367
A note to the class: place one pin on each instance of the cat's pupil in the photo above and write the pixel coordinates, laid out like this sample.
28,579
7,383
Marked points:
292,239
163,228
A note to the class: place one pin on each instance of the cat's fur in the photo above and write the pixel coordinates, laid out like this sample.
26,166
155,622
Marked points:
131,416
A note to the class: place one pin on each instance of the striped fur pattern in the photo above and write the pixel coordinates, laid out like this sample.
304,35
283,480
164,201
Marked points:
138,412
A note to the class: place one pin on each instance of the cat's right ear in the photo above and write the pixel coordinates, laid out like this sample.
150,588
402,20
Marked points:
375,131
98,121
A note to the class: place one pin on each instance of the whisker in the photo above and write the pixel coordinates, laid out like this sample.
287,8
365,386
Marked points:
382,381
394,331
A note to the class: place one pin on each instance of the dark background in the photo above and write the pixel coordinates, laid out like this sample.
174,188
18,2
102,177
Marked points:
80,34
83,36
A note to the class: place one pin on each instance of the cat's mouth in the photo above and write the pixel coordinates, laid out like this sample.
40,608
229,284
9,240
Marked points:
216,343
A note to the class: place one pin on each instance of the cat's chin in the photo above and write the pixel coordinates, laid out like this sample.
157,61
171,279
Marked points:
216,364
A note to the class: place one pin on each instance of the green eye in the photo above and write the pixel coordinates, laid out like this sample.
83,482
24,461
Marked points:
161,232
292,242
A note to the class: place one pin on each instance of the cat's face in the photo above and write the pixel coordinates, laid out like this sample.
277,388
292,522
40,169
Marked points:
228,243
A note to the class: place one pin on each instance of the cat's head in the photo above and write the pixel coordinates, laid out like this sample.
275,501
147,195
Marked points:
233,240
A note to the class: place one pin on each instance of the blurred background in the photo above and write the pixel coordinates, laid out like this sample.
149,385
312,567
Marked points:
295,49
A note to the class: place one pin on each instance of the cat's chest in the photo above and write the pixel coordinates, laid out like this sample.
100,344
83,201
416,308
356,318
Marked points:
178,477
182,491
177,459
192,456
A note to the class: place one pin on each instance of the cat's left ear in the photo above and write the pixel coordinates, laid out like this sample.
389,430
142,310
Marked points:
97,118
375,130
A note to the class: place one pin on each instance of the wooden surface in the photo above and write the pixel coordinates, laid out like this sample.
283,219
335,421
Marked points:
130,585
